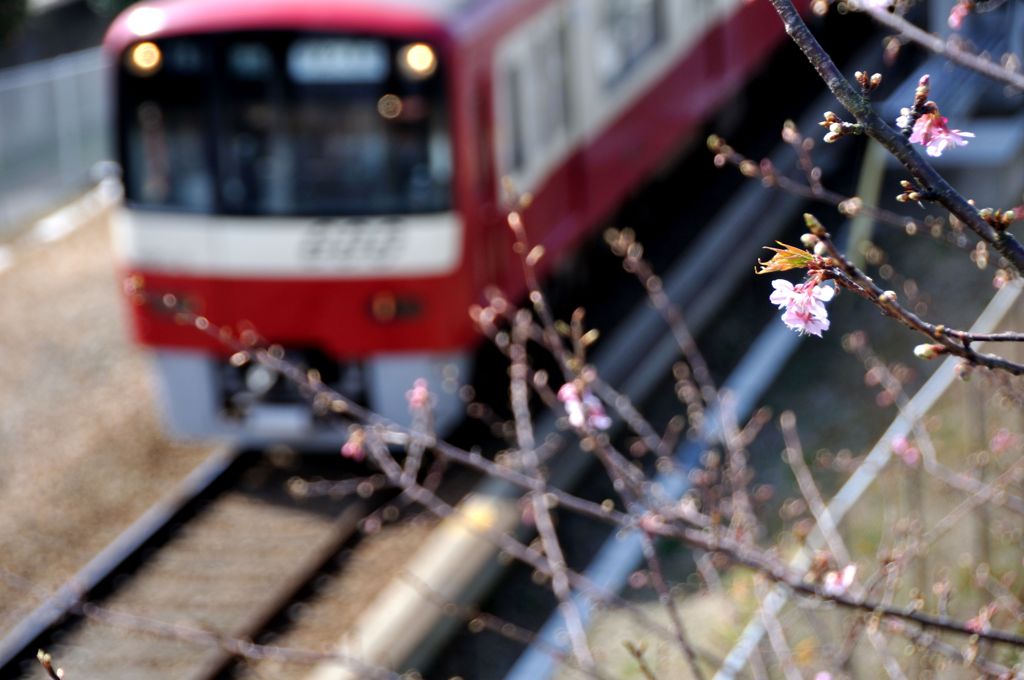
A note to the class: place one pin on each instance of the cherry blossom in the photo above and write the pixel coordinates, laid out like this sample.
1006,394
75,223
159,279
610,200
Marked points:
353,448
585,409
838,582
1002,441
903,448
959,13
419,396
905,119
804,305
931,131
982,622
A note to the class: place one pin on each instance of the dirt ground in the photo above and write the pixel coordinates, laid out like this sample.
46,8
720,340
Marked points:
81,451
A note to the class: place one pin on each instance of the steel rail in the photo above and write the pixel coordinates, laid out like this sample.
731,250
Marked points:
345,527
18,642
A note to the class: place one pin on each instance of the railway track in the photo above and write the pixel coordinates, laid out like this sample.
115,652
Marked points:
231,555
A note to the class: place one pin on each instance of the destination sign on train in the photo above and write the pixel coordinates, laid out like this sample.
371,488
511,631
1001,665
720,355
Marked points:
338,60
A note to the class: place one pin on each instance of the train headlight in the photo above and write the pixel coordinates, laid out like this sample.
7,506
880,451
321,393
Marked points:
145,21
417,61
145,58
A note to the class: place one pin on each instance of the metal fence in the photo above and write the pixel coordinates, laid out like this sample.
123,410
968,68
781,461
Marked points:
54,127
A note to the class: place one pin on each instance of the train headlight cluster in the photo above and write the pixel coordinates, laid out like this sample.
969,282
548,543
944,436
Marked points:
145,58
417,61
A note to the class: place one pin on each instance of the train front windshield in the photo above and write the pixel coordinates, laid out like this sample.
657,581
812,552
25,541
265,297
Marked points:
284,124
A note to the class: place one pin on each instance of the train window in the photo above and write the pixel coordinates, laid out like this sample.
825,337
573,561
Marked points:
250,61
165,151
283,124
550,66
533,100
338,60
169,160
627,32
513,132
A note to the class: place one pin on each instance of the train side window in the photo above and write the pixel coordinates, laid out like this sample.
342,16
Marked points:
550,66
533,97
513,131
627,32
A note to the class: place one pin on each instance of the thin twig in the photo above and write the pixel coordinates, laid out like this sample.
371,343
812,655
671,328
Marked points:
950,49
860,107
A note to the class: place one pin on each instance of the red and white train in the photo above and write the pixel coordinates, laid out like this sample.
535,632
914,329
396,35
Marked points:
329,172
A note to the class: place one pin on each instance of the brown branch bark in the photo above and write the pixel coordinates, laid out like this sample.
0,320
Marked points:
860,107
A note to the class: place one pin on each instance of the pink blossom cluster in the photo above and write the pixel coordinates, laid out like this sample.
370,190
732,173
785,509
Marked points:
932,131
804,305
583,409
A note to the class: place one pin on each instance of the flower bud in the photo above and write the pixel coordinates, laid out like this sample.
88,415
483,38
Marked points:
887,297
809,240
963,371
929,351
813,225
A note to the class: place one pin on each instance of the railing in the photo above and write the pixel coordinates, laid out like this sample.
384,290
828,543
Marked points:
53,130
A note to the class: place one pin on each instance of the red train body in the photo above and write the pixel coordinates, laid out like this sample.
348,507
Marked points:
329,171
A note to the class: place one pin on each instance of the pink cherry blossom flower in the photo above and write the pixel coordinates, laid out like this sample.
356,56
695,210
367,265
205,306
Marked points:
804,305
931,131
909,453
958,14
419,396
1002,441
585,409
905,119
982,622
838,582
823,675
353,448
